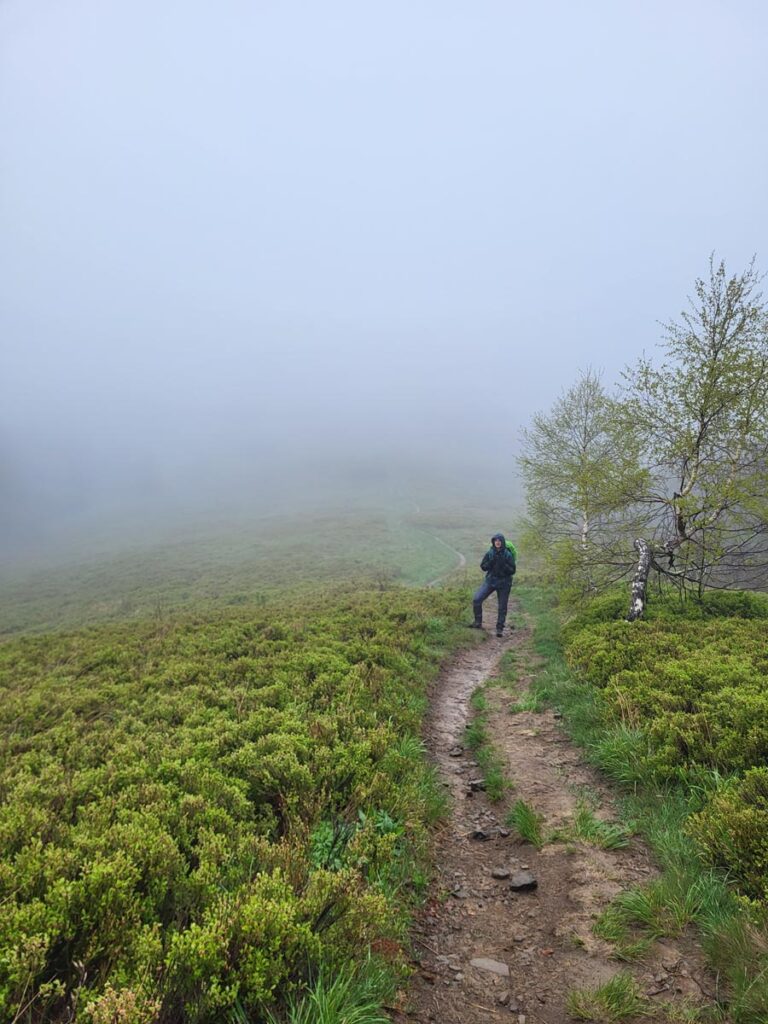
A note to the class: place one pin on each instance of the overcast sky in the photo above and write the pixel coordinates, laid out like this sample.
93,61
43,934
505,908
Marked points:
239,232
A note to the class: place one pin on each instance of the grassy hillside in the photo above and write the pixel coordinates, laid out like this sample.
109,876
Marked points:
237,563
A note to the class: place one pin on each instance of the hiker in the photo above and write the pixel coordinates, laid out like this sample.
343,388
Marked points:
499,567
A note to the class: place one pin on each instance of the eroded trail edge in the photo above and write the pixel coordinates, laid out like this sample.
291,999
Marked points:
506,933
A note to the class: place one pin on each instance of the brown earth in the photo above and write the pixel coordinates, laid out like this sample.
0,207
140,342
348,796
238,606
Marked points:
530,948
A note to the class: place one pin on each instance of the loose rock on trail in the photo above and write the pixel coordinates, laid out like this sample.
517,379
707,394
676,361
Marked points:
506,932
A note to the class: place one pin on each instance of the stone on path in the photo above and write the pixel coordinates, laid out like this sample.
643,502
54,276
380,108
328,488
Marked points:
484,963
501,873
523,881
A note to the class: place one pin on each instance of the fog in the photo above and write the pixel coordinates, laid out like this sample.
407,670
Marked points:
250,249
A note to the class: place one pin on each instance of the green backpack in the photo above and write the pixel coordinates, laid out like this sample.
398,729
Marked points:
511,548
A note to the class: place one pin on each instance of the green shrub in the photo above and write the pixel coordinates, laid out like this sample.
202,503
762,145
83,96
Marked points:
695,688
683,696
733,830
743,604
607,607
196,812
613,605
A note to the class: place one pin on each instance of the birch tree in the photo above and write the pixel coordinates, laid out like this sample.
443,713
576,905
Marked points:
700,422
669,476
581,475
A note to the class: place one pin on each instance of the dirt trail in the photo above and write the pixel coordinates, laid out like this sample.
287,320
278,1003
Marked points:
462,561
486,952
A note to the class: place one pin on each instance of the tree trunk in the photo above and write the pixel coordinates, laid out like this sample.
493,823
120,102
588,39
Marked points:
640,580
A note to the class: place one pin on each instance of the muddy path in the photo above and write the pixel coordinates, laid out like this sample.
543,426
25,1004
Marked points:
485,950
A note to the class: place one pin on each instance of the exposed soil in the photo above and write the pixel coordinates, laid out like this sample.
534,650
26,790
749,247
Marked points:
531,948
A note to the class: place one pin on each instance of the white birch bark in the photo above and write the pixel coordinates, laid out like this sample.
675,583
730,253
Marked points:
640,580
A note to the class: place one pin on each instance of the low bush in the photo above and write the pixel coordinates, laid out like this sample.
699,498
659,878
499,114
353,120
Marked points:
608,607
682,697
695,688
197,815
733,830
672,709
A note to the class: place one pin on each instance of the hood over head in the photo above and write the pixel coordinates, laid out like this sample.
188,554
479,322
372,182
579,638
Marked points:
501,537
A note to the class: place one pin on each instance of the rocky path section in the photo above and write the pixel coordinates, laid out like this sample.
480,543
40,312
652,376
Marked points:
507,931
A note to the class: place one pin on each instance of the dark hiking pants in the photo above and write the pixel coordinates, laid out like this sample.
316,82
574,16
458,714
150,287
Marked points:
485,590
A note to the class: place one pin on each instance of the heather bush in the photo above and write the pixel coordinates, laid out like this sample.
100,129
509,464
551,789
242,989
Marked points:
197,814
697,688
733,830
691,688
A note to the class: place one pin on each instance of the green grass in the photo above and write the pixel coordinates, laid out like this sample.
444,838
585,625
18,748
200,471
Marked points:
588,828
616,1000
687,1012
197,567
609,835
527,822
622,753
350,995
242,561
663,908
487,757
528,702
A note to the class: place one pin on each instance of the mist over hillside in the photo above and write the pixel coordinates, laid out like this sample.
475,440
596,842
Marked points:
50,518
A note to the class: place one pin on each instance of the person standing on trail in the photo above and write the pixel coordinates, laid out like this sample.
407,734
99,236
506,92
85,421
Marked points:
499,567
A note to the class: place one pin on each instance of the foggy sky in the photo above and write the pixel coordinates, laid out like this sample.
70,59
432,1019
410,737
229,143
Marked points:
236,236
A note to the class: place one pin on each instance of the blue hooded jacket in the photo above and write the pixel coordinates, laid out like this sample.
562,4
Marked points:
499,566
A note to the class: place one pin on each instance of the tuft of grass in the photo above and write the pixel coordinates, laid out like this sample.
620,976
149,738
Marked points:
622,753
475,734
639,916
746,962
496,784
527,822
686,1012
632,951
476,737
609,835
528,702
616,1000
348,996
611,925
588,828
478,701
660,908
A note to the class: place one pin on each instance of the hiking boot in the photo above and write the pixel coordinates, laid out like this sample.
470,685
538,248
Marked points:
475,625
499,631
